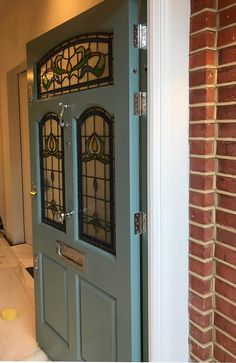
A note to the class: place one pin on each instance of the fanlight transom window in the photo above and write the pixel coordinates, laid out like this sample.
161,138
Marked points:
80,63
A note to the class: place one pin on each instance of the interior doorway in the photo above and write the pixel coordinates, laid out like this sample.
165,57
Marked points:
25,157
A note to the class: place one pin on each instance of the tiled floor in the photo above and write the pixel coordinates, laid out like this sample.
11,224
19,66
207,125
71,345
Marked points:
17,338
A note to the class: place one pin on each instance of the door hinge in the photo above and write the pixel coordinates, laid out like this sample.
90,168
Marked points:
140,36
140,223
30,93
140,103
36,265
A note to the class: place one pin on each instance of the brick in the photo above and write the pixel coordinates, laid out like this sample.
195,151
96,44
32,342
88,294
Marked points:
200,216
200,251
227,272
225,254
202,182
227,94
197,5
224,3
201,286
201,234
225,307
202,353
226,36
200,268
227,74
203,321
192,359
226,342
202,40
227,148
226,237
225,289
206,19
227,112
201,199
201,147
203,304
226,219
199,335
204,95
225,325
202,113
227,55
227,201
227,130
202,59
228,166
227,17
226,184
221,356
202,77
202,165
202,130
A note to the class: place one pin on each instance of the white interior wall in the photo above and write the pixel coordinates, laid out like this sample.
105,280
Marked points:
20,22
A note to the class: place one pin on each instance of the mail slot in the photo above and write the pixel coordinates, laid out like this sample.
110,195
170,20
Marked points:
72,255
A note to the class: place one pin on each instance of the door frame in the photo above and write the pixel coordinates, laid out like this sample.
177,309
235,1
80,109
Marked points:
14,231
168,122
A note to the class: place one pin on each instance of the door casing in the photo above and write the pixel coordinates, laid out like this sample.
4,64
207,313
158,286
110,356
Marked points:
168,179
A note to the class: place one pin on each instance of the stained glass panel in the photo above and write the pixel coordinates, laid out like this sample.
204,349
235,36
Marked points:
52,170
96,178
78,64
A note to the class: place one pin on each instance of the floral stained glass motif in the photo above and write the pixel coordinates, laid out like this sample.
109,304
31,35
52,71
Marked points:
96,178
52,170
78,64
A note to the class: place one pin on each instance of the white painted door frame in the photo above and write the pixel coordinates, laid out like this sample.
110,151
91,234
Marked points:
168,119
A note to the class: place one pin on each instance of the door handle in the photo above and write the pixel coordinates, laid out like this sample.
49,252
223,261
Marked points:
63,215
61,121
33,192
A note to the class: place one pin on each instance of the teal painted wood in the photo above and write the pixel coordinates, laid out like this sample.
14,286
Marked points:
104,301
143,191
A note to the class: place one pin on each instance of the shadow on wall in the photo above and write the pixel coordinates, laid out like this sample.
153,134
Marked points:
1,224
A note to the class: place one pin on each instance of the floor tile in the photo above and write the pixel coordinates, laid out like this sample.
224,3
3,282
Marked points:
17,337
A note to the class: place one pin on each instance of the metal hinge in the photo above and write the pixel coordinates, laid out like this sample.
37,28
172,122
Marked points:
140,36
140,223
36,265
30,93
140,103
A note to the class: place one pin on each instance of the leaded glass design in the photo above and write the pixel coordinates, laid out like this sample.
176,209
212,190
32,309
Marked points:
78,64
96,178
52,170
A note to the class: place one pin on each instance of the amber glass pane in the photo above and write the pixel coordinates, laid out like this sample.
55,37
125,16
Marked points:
78,64
52,170
96,181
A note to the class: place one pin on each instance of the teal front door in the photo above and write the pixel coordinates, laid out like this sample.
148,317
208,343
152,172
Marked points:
85,185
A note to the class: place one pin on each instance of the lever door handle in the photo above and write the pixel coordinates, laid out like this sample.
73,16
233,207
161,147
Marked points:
61,117
63,215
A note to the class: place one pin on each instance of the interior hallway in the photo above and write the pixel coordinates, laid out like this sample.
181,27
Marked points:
17,337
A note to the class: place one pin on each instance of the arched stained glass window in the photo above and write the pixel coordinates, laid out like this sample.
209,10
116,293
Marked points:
51,141
78,64
96,179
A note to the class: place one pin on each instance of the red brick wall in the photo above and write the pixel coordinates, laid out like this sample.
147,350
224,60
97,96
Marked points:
212,251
